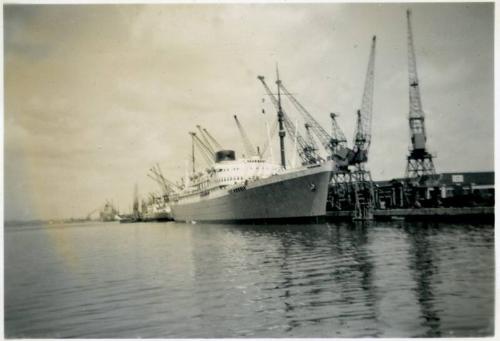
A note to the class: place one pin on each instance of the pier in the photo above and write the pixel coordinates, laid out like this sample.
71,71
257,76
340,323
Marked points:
450,196
483,213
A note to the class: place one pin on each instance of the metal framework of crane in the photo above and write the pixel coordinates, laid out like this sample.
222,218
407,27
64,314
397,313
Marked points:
420,161
338,142
352,188
362,135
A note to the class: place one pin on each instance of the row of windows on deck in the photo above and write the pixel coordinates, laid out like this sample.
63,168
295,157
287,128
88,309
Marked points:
230,178
205,183
235,169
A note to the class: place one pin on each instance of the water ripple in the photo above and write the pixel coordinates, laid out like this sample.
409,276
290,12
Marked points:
206,280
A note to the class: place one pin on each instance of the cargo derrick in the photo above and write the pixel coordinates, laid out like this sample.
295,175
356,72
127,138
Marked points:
420,165
164,188
204,137
335,146
168,187
302,147
213,140
307,155
350,190
249,148
312,147
271,134
205,151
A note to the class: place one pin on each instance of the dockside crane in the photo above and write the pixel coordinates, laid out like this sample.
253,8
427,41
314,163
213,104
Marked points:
352,186
362,135
419,162
362,186
306,156
249,148
338,144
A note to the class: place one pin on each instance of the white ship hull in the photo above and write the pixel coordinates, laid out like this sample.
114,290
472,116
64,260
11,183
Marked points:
300,193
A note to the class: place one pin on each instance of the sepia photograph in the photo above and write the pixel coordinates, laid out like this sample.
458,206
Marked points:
248,170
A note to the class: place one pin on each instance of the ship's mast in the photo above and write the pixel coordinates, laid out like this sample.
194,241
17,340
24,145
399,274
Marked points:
280,120
136,202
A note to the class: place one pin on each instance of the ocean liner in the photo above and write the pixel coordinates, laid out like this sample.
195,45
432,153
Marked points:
253,190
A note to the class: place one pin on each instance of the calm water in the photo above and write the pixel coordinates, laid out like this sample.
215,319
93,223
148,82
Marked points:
172,280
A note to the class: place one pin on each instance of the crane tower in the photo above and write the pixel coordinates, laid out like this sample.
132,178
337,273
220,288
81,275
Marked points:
420,163
362,135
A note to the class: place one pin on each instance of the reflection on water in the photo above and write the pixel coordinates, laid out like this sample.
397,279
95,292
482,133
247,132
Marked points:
206,280
423,268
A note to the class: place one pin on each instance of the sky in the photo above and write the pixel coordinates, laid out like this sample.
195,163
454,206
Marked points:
95,95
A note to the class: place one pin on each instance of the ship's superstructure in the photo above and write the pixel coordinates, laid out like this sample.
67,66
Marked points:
227,171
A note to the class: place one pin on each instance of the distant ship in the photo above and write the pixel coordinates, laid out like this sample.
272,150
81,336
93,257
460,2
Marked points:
136,216
108,212
157,209
253,190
